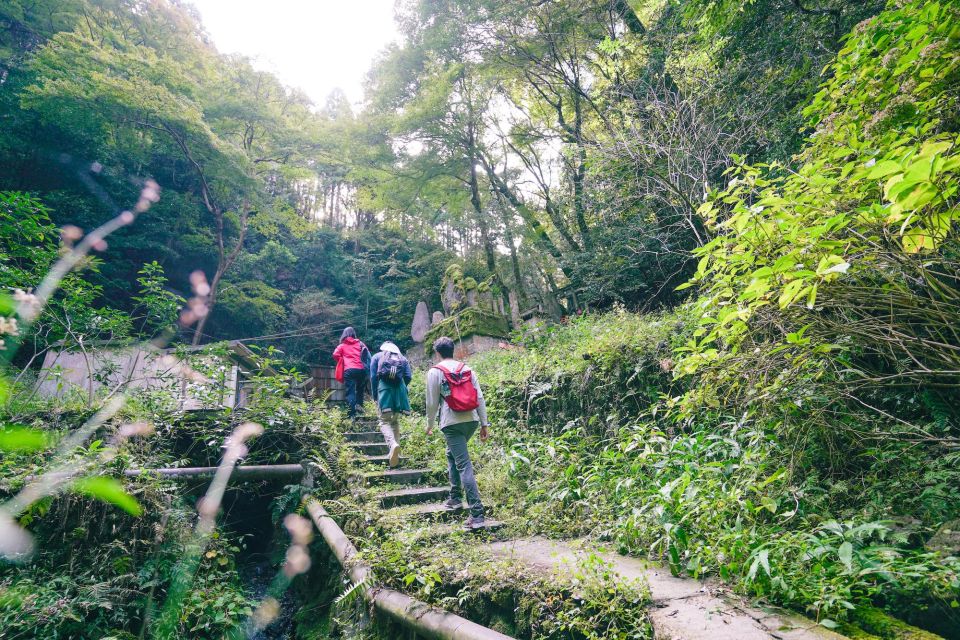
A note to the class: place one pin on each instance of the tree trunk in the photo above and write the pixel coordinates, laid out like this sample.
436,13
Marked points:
540,233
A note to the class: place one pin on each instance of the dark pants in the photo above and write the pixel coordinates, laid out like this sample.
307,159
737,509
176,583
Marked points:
356,383
459,466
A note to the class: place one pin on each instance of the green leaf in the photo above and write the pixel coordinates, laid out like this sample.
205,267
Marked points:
14,438
7,305
883,169
109,490
845,553
769,504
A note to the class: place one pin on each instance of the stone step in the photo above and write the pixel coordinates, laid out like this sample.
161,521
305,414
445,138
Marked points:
384,459
488,526
412,496
371,448
395,476
425,511
363,436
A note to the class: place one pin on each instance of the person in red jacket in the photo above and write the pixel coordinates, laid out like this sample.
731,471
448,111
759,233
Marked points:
353,358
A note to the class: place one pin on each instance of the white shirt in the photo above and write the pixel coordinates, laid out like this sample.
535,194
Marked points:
448,416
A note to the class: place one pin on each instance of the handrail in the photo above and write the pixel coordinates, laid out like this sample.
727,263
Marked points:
251,471
420,617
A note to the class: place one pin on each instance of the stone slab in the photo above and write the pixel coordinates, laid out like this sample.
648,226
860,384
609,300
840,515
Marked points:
370,448
363,436
681,608
396,476
381,459
411,496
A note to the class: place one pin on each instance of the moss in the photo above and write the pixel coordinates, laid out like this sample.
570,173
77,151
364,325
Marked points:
470,322
856,633
879,623
453,272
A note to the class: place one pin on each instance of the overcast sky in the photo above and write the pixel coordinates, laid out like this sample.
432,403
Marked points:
316,45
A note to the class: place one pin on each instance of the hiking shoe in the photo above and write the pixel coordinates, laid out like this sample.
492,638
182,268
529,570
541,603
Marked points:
394,455
453,504
474,522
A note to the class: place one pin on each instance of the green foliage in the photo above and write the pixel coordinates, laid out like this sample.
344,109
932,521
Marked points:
599,446
160,305
15,438
871,207
108,490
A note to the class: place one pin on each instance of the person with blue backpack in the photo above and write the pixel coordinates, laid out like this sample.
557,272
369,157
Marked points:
390,373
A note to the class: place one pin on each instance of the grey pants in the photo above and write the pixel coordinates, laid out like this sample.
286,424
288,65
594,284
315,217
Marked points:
390,427
459,466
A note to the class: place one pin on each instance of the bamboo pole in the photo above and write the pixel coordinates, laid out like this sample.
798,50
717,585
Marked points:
242,472
427,621
245,472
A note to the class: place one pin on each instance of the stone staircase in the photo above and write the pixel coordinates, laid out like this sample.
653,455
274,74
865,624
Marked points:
406,492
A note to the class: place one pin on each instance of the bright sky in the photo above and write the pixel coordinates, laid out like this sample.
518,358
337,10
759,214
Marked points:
316,45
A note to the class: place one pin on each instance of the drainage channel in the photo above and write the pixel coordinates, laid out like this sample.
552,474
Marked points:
246,513
247,516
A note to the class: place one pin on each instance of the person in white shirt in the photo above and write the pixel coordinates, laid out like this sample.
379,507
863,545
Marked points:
457,427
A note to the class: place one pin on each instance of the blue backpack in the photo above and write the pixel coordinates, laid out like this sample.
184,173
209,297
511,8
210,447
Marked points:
391,367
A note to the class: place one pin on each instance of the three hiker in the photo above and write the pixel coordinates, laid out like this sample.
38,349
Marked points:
390,373
353,359
453,388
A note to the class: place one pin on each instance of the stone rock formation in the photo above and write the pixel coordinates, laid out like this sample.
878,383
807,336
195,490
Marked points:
451,297
515,310
421,322
438,317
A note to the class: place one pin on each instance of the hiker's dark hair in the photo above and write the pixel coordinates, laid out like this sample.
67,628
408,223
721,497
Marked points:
348,333
444,346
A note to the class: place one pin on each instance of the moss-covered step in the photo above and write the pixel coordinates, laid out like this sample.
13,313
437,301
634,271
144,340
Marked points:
882,625
396,476
371,448
363,436
411,496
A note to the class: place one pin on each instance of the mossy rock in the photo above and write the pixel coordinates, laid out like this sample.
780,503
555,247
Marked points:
469,322
453,272
883,625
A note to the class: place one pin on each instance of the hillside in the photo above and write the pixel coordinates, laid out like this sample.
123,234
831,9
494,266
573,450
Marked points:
702,256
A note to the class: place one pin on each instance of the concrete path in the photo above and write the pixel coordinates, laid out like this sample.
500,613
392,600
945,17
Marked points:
682,608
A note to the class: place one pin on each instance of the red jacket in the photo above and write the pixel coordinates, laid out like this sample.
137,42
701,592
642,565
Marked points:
351,352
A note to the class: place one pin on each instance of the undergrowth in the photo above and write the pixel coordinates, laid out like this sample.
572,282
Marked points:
590,438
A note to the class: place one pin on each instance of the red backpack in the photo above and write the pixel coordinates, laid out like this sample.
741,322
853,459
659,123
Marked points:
463,395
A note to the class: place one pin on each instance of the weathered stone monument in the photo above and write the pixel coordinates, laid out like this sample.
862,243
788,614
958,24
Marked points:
421,322
473,315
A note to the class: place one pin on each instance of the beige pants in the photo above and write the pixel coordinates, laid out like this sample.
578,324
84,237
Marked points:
390,427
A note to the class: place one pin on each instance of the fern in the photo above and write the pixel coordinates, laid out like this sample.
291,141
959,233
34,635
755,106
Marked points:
349,596
943,412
